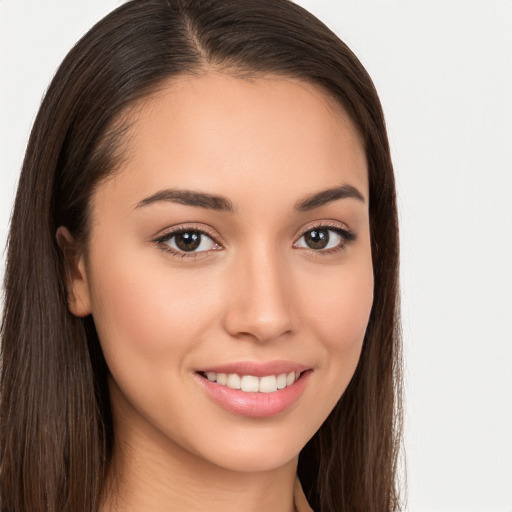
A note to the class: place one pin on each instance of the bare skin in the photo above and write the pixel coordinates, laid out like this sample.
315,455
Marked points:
274,276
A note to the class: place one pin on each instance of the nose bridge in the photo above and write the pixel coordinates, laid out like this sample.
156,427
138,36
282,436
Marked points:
259,304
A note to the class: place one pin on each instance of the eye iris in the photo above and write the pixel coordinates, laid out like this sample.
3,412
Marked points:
188,240
317,238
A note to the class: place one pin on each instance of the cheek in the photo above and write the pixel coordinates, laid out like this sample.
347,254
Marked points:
341,308
339,316
131,302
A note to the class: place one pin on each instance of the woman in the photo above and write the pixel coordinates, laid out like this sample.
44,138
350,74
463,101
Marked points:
201,286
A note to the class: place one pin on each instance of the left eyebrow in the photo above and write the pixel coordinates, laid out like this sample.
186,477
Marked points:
327,196
190,198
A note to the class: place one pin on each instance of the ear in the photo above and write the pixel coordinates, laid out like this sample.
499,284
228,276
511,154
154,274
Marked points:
79,295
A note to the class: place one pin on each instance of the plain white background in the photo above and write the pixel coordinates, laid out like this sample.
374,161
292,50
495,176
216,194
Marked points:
444,74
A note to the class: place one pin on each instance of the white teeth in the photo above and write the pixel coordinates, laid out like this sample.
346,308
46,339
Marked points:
249,383
234,381
252,384
268,384
281,381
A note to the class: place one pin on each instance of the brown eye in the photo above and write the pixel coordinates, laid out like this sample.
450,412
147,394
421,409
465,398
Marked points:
317,238
323,238
189,241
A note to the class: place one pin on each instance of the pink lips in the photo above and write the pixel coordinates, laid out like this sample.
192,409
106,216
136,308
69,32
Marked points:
255,404
256,368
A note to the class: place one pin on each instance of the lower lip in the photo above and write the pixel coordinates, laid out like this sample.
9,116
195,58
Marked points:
254,405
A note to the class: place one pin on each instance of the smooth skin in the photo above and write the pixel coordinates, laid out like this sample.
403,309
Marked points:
255,288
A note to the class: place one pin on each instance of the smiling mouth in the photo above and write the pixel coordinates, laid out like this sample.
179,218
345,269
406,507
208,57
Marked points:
237,390
251,383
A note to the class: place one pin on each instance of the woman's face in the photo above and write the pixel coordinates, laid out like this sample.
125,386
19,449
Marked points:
231,249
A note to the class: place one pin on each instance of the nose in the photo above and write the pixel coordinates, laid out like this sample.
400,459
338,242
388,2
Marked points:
259,297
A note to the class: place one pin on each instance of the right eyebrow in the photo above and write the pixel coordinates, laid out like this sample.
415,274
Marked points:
327,196
189,198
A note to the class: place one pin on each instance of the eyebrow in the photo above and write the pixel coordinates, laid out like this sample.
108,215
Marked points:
190,198
220,203
327,196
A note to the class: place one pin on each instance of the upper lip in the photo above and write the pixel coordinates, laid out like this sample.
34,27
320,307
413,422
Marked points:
256,368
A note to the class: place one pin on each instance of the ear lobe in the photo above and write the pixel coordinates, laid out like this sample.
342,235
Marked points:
77,284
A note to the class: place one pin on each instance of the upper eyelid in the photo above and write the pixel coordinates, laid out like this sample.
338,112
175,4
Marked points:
169,232
321,224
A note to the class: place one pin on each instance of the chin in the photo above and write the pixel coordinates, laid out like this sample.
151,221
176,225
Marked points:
253,451
262,461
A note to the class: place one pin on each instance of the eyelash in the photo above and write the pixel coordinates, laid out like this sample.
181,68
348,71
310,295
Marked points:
346,236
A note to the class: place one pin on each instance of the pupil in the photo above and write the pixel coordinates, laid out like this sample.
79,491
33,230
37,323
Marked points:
188,241
317,238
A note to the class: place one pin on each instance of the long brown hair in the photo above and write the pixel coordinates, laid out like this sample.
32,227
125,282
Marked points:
56,427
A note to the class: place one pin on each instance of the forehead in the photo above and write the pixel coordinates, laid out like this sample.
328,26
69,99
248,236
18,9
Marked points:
239,136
